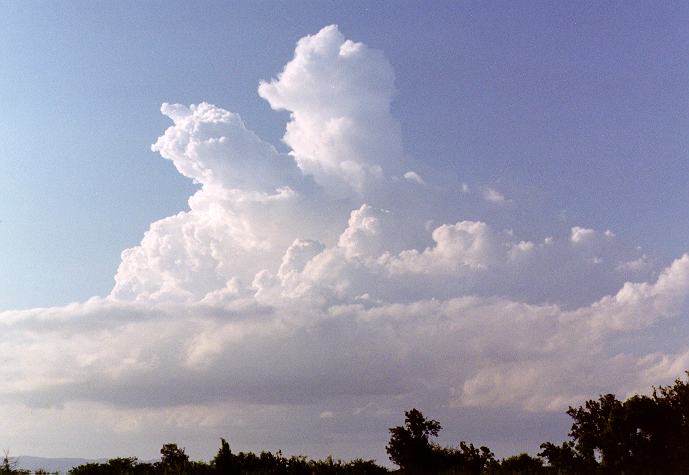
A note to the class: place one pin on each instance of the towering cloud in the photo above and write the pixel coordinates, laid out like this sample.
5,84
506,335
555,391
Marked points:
338,93
319,283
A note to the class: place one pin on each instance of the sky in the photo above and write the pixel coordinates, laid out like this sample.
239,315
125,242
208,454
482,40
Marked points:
286,223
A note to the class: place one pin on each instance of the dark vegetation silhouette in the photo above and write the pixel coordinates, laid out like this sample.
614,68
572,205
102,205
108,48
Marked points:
411,449
174,461
8,465
641,435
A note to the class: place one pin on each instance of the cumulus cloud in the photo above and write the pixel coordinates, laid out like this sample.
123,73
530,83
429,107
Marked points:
304,284
635,265
581,235
338,93
414,178
213,147
494,196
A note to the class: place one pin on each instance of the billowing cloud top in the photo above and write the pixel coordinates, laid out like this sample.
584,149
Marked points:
338,93
317,278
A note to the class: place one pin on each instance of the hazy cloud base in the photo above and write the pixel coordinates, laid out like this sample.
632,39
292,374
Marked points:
305,299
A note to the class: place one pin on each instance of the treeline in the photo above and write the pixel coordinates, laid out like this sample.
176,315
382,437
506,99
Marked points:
174,461
641,435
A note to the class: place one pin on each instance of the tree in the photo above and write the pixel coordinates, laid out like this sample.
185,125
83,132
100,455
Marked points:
224,460
173,460
624,437
409,445
564,459
523,464
465,459
673,422
9,465
639,435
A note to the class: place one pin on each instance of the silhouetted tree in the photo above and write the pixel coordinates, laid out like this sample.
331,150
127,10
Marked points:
522,464
8,465
673,422
115,466
464,459
173,460
564,459
640,435
223,461
409,445
590,427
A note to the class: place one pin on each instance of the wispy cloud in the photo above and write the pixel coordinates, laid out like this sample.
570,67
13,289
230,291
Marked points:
494,196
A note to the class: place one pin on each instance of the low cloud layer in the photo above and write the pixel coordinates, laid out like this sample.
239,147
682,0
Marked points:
327,282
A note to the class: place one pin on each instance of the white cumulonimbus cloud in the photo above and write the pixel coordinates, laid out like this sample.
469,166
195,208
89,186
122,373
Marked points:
309,280
338,93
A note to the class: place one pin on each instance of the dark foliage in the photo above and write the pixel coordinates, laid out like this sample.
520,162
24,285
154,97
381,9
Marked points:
564,459
8,465
116,466
642,435
175,461
523,464
409,446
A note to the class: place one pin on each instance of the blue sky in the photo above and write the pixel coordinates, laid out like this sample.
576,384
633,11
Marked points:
526,124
